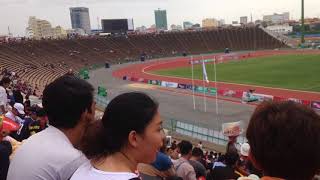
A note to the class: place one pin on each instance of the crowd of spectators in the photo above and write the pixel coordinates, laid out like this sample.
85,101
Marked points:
63,140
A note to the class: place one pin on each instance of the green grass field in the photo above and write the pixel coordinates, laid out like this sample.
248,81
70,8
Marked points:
299,72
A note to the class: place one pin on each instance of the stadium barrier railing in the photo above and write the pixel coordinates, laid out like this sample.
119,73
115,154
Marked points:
195,131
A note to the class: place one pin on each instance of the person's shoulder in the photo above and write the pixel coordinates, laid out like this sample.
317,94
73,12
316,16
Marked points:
86,171
165,158
186,165
197,163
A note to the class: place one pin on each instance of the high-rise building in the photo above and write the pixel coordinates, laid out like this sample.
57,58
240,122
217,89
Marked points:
161,19
244,20
80,19
277,18
38,29
187,25
176,27
209,22
221,22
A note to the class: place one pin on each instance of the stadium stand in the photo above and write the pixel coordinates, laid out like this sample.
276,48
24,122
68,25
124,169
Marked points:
40,62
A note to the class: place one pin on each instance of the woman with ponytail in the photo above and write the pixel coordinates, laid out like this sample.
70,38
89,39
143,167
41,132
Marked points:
129,133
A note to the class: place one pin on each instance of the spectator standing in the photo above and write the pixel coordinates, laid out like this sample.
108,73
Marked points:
229,171
183,167
17,96
4,83
200,170
27,102
52,154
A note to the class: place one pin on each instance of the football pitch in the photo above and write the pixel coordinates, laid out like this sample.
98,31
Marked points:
295,71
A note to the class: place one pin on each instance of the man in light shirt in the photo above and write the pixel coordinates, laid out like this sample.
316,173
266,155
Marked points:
4,83
51,154
16,113
183,167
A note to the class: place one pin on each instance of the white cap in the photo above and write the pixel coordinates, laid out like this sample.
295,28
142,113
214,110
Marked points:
251,177
19,107
244,150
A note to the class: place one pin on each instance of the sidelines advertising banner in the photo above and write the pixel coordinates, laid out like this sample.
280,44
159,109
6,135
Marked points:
201,89
182,86
140,80
260,97
169,84
154,82
315,105
222,92
305,102
189,86
213,91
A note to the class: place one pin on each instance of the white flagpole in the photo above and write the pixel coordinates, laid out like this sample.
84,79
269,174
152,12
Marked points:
204,89
216,86
194,102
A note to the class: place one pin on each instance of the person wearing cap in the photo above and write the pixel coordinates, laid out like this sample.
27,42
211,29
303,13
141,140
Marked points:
17,113
31,124
242,165
4,83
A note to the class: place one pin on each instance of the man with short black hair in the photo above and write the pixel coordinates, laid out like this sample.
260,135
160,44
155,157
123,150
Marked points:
229,171
182,165
197,154
52,154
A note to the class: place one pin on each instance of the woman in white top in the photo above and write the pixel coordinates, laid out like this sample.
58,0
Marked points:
129,133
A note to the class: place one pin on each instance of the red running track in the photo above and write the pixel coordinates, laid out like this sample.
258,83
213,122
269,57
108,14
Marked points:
143,71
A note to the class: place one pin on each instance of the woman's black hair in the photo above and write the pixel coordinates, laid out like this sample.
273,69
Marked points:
127,112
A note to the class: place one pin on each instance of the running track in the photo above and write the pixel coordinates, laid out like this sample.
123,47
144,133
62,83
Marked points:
142,70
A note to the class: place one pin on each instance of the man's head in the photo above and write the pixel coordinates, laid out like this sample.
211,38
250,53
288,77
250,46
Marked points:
174,151
282,134
185,148
5,82
231,158
33,112
197,153
67,101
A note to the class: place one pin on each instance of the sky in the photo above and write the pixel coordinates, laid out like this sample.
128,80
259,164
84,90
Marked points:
15,13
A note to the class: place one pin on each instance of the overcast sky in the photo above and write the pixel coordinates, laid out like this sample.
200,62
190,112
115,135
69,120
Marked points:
15,13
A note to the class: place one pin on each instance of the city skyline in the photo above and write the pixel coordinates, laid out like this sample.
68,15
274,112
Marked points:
142,11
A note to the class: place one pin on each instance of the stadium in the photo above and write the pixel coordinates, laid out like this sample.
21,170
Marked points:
204,80
40,62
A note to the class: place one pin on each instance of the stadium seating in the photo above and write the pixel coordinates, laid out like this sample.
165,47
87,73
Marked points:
40,62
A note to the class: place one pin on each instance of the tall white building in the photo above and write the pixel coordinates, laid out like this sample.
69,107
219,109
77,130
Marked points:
244,20
221,22
277,18
281,29
38,28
